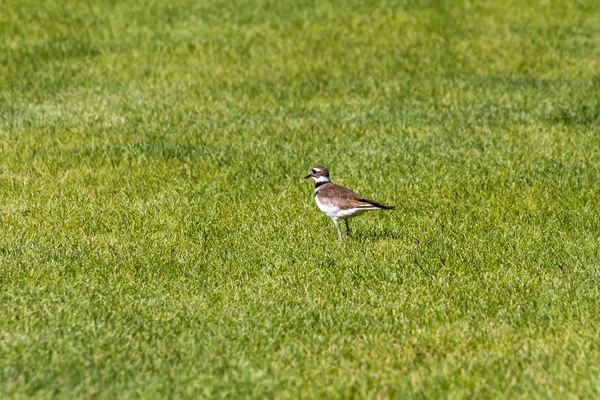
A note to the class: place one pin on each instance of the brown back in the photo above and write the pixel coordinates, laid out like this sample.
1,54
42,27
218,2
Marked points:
345,198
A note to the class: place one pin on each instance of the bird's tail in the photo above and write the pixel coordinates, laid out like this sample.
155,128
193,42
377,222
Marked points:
379,205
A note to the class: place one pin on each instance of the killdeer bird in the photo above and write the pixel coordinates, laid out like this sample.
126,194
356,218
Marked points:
337,202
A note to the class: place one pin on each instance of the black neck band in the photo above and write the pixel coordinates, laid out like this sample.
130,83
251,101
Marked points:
320,183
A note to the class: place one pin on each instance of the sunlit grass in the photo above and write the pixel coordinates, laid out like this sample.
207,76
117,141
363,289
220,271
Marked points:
157,239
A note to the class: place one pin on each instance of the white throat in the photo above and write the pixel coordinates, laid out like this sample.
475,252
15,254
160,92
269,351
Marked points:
322,179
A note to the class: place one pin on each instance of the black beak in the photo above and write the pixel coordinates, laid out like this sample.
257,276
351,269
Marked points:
308,176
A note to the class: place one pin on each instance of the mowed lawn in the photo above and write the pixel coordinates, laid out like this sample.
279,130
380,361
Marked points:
157,238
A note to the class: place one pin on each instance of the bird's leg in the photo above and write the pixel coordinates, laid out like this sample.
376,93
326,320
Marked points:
337,226
347,228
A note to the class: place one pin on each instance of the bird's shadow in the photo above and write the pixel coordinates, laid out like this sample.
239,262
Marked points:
380,234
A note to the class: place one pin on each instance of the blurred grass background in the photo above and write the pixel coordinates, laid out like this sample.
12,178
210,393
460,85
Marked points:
157,240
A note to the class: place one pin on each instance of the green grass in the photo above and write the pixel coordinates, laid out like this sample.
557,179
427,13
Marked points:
157,240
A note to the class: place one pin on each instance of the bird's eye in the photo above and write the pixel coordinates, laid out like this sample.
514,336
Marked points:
314,171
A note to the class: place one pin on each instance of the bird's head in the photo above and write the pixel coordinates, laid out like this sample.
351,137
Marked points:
319,174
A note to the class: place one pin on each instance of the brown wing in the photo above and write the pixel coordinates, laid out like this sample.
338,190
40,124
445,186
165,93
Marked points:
346,198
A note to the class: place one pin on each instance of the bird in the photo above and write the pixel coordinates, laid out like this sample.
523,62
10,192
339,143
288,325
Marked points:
338,202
